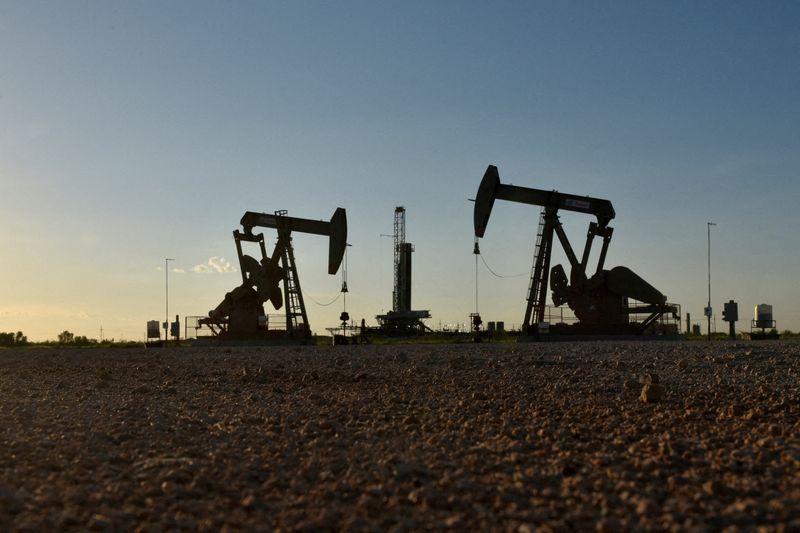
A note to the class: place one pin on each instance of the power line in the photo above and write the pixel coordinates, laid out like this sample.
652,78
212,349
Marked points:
325,304
344,285
500,275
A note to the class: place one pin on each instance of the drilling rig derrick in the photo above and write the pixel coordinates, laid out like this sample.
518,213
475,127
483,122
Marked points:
402,320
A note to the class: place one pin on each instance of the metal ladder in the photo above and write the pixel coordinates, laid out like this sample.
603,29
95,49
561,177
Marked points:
538,282
296,319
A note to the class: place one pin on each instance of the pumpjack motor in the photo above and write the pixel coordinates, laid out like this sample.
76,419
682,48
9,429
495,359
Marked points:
601,301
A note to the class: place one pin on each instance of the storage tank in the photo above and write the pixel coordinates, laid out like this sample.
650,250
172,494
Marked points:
763,316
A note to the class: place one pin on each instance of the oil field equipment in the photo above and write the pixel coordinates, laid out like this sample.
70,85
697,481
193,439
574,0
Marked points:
763,326
600,301
730,314
402,319
241,314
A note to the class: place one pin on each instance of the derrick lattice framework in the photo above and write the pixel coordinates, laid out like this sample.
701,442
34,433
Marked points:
401,296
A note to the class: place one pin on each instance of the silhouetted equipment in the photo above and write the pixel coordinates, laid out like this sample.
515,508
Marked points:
730,314
763,316
477,322
600,301
763,322
175,328
153,330
241,314
402,319
730,311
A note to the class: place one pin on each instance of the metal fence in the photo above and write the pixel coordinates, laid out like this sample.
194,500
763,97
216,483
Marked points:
195,328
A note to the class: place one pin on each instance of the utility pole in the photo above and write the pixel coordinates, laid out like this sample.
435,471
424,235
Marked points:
708,309
166,316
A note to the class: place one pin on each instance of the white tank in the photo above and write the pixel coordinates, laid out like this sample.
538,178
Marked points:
763,315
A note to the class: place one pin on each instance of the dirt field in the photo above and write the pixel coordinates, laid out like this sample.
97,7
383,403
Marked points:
465,437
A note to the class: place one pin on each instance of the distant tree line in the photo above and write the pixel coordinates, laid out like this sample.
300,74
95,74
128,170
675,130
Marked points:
67,337
13,339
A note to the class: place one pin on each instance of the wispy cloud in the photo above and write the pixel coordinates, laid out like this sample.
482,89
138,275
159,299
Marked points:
214,265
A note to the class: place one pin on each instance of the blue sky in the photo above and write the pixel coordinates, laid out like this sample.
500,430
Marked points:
135,131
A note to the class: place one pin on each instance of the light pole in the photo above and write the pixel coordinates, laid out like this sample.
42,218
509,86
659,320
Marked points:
708,309
166,284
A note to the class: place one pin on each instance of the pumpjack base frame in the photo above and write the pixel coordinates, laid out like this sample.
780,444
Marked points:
648,329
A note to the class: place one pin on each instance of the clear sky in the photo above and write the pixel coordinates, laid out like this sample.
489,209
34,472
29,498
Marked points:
135,131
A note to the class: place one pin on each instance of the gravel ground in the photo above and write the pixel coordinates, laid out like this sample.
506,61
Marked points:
529,437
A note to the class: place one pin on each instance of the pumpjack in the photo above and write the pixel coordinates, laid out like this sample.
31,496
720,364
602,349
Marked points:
601,302
240,315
